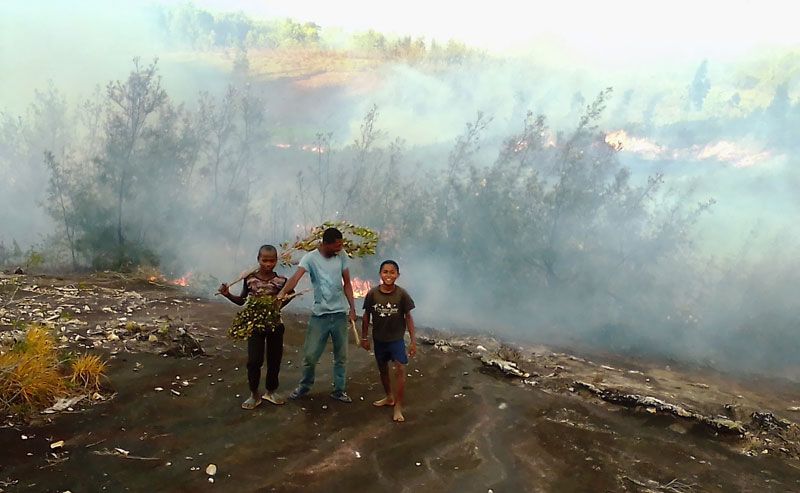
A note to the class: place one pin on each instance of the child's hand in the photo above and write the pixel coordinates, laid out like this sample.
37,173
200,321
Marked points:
412,350
365,344
223,289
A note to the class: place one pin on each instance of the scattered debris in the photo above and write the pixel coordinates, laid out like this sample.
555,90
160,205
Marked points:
56,445
125,454
768,421
723,425
674,486
508,367
63,404
184,344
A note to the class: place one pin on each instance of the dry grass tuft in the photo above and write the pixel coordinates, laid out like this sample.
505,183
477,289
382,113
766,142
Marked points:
29,376
148,273
87,372
510,353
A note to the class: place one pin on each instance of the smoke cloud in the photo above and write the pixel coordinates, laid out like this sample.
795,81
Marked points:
519,196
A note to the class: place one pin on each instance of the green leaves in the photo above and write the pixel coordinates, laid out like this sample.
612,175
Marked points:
260,315
358,241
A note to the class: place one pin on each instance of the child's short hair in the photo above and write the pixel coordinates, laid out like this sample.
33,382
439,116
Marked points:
267,249
389,262
330,235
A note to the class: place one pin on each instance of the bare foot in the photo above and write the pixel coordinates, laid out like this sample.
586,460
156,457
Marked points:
398,415
386,401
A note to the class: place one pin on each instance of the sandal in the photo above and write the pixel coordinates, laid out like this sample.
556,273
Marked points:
250,403
273,398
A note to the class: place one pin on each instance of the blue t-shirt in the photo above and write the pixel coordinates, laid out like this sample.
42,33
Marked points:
326,277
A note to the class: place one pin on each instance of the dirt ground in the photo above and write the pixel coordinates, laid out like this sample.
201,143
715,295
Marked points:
469,427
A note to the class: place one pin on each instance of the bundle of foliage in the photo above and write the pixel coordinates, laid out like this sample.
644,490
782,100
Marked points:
358,241
261,314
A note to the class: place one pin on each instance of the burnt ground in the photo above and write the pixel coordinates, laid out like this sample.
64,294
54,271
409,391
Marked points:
470,427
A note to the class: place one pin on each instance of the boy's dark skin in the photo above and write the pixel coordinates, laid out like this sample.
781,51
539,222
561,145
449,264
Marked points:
394,397
267,261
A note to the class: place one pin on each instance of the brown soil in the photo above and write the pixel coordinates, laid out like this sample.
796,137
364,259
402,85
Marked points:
468,427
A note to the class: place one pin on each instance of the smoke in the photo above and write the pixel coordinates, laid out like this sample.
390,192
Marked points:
656,220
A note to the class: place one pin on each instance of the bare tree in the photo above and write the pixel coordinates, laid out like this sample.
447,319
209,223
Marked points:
130,104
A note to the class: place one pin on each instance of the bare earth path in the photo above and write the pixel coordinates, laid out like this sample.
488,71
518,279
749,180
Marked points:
468,428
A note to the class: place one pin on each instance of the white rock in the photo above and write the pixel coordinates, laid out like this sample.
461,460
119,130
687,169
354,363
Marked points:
57,444
211,469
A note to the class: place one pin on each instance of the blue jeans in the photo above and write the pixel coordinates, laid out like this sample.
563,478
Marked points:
320,327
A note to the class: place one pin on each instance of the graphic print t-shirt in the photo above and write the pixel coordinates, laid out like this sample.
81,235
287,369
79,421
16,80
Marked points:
388,312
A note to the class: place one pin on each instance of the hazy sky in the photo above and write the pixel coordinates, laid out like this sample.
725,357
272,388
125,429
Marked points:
636,29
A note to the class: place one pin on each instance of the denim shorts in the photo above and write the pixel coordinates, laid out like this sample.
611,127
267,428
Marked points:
390,351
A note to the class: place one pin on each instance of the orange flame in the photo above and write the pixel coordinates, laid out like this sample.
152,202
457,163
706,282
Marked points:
360,287
302,147
621,141
182,281
740,155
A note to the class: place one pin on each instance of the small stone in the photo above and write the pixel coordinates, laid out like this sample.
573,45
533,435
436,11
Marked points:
57,444
158,389
211,469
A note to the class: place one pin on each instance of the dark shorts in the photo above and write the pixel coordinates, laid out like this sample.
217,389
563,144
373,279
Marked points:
390,351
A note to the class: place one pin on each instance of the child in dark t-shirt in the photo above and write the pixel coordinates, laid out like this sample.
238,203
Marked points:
389,307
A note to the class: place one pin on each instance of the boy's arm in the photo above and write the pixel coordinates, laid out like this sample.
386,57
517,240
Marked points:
224,290
286,301
365,330
412,348
291,283
348,292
